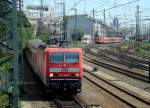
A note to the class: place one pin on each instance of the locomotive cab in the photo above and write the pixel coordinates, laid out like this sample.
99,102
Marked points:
64,69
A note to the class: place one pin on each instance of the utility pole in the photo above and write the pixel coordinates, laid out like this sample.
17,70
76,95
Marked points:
104,22
15,89
40,22
21,43
64,20
41,11
75,24
137,27
84,7
93,25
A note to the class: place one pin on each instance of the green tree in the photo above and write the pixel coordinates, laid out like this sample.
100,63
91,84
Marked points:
4,100
26,28
45,36
6,31
6,28
96,34
77,35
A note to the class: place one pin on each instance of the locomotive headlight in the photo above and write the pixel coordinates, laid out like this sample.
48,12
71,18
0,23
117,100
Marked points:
73,69
77,74
51,75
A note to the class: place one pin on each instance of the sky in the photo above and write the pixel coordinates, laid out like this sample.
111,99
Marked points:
125,13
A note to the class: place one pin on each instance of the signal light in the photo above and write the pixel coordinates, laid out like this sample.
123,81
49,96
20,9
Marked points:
51,75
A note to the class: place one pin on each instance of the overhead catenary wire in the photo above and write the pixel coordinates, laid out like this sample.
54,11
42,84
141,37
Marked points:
74,6
115,6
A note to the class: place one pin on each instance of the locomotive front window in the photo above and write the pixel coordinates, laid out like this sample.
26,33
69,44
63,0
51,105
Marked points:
71,57
56,57
64,57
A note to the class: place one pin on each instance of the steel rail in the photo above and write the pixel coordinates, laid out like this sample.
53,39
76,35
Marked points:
124,62
108,91
128,57
58,103
116,69
122,90
74,101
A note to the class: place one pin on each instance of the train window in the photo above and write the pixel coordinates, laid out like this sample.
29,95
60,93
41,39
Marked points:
56,57
71,57
61,57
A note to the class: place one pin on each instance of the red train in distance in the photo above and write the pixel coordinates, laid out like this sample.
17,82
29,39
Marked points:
108,40
60,69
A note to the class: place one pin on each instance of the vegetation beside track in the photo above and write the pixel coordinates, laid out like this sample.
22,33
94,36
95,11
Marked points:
77,44
5,67
143,50
6,30
44,36
4,100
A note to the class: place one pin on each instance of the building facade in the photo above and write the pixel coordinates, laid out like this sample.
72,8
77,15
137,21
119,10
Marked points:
33,13
88,26
56,27
80,23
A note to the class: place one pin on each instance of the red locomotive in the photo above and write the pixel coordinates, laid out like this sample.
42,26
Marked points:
58,68
108,40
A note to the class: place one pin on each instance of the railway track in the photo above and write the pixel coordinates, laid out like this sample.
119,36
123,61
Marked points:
130,58
135,57
71,103
118,69
128,98
120,60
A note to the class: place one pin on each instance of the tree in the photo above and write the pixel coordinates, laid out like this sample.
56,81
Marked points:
4,100
77,35
96,34
6,28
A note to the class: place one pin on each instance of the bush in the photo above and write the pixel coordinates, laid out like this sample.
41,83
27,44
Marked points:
44,36
4,100
144,53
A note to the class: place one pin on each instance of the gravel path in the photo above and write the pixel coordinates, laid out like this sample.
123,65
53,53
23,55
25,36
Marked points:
94,96
33,94
138,83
